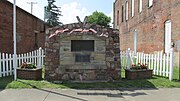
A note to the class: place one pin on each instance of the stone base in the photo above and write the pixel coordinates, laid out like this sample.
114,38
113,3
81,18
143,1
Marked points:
85,75
138,74
31,74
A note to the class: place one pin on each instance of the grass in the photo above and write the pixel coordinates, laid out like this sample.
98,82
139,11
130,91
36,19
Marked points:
155,82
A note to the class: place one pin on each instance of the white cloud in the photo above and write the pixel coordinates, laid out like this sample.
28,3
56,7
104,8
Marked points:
71,10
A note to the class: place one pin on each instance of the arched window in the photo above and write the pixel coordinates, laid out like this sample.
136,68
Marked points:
150,3
126,10
140,6
132,8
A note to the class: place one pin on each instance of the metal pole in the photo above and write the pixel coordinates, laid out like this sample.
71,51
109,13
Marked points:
14,39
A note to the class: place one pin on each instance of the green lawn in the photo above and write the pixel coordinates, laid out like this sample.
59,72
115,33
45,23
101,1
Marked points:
155,82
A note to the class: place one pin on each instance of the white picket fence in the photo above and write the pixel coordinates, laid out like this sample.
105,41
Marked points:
6,61
161,64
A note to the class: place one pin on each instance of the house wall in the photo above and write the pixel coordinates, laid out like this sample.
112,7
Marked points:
149,24
27,25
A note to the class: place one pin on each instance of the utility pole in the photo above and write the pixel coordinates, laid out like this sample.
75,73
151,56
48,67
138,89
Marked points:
32,3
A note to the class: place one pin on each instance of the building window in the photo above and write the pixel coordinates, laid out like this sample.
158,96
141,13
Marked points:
150,3
82,58
126,10
167,36
140,6
122,13
132,8
82,45
118,17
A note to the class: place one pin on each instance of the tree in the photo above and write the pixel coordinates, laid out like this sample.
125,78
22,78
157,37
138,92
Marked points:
53,13
99,18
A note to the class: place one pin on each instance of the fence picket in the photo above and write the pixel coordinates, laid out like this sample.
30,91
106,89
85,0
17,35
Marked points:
39,58
7,65
157,66
137,58
42,55
22,58
149,62
144,58
18,60
32,54
3,58
141,58
27,57
155,61
10,64
164,65
152,58
160,70
167,65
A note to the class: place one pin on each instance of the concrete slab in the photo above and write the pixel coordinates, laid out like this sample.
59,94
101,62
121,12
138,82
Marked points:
162,94
22,95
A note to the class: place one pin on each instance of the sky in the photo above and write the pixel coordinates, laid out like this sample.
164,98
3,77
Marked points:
70,8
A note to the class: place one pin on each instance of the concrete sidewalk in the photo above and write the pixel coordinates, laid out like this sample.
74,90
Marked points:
162,94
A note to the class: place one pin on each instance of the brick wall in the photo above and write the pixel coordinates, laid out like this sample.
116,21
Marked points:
29,30
150,24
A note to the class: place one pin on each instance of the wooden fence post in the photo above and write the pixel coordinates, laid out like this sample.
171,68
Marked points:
39,57
171,64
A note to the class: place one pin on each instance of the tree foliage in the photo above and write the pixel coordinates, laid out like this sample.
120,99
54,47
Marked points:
99,18
53,13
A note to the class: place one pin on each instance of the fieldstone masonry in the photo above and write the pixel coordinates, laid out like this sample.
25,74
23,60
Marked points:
60,61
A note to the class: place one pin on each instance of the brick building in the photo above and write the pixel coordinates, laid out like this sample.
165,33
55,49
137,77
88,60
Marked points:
156,23
30,29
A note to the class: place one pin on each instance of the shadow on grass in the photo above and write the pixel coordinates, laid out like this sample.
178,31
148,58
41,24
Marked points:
118,84
176,80
4,81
